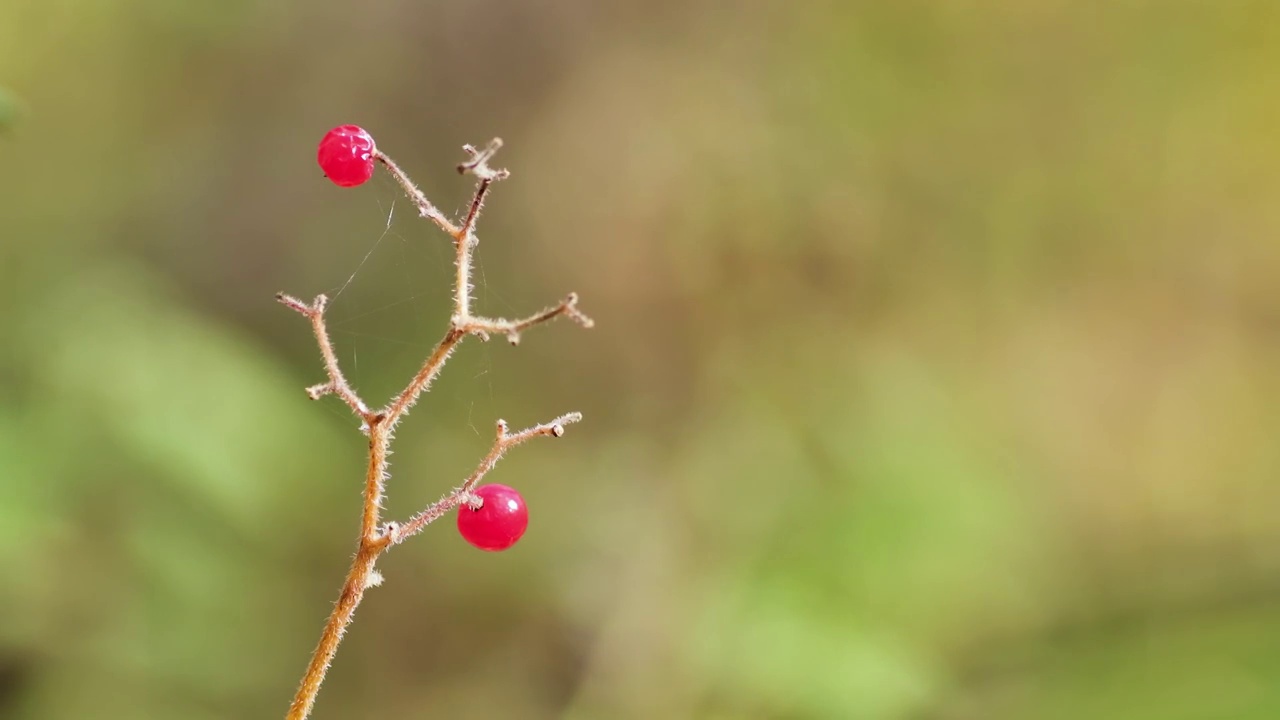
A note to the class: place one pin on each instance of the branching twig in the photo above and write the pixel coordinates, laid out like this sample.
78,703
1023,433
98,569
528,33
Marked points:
376,538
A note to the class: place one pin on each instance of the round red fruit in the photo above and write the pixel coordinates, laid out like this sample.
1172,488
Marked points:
499,521
346,155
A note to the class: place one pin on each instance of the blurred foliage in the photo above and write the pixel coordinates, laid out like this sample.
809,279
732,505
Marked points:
935,372
10,110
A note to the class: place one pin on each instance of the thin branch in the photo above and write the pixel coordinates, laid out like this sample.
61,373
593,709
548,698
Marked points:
375,478
462,280
359,578
465,236
478,165
337,383
484,327
425,208
431,368
503,442
473,213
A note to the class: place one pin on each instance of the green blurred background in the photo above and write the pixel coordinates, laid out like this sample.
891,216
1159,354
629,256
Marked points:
936,373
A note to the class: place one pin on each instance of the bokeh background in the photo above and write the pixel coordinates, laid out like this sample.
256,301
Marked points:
936,373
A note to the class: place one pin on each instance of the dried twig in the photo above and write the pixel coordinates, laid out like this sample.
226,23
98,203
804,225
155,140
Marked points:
376,537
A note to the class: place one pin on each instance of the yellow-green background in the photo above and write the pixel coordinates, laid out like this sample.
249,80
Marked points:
936,373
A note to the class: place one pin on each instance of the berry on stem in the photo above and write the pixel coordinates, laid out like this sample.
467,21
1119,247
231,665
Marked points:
499,521
346,155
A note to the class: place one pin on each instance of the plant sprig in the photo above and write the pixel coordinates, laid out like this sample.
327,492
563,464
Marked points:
376,536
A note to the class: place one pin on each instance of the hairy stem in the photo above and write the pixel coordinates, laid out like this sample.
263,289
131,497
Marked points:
375,478
512,328
337,383
358,579
425,208
420,382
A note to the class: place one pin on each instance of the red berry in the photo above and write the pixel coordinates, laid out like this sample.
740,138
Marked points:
346,155
498,523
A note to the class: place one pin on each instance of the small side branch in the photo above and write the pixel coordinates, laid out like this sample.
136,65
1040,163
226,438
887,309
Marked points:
337,383
425,208
484,327
431,367
504,441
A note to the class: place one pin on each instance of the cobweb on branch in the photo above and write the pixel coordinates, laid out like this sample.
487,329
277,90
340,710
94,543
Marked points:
420,257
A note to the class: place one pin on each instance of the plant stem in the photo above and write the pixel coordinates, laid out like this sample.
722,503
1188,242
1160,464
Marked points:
358,579
375,538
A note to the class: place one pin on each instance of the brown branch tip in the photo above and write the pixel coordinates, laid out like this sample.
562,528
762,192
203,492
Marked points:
379,424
